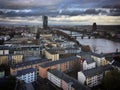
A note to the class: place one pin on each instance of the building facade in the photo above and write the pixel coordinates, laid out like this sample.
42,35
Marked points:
63,65
99,59
94,76
27,75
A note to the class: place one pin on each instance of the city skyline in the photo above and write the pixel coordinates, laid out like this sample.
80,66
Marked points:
60,12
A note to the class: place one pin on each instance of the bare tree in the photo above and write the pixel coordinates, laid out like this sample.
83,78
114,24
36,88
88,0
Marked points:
94,48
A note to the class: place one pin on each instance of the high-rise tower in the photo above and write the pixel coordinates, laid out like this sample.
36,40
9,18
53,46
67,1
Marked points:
94,27
45,22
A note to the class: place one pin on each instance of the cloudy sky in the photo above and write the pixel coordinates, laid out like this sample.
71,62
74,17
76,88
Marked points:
60,12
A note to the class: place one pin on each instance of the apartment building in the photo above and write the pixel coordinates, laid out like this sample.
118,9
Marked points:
64,65
27,50
88,64
26,65
11,58
51,54
4,50
55,53
94,76
16,58
27,75
64,81
4,59
86,60
99,59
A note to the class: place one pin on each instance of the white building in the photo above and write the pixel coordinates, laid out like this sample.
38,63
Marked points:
94,76
88,64
5,38
27,75
54,78
4,50
87,61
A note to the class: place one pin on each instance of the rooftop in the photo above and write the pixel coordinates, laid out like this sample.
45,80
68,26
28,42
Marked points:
31,58
25,71
51,63
116,63
68,79
89,61
28,63
4,47
87,57
97,70
98,55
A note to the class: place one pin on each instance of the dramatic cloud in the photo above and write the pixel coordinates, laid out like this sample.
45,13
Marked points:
23,10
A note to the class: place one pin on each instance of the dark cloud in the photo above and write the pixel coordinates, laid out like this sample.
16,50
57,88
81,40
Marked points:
70,12
53,8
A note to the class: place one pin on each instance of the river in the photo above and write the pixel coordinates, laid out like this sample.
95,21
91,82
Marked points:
101,45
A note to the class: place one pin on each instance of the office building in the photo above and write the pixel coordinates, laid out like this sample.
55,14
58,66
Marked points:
45,22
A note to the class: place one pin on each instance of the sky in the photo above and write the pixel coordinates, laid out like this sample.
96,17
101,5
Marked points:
60,12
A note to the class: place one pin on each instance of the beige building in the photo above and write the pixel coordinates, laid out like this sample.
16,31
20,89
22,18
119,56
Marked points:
51,54
26,65
64,81
3,59
63,65
17,58
99,59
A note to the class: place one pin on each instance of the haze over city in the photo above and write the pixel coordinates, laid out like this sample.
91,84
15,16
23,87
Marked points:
60,12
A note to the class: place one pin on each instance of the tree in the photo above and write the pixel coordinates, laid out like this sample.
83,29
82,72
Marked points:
6,68
94,48
86,48
111,81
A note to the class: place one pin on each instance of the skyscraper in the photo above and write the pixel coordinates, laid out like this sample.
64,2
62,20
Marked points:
45,22
94,27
